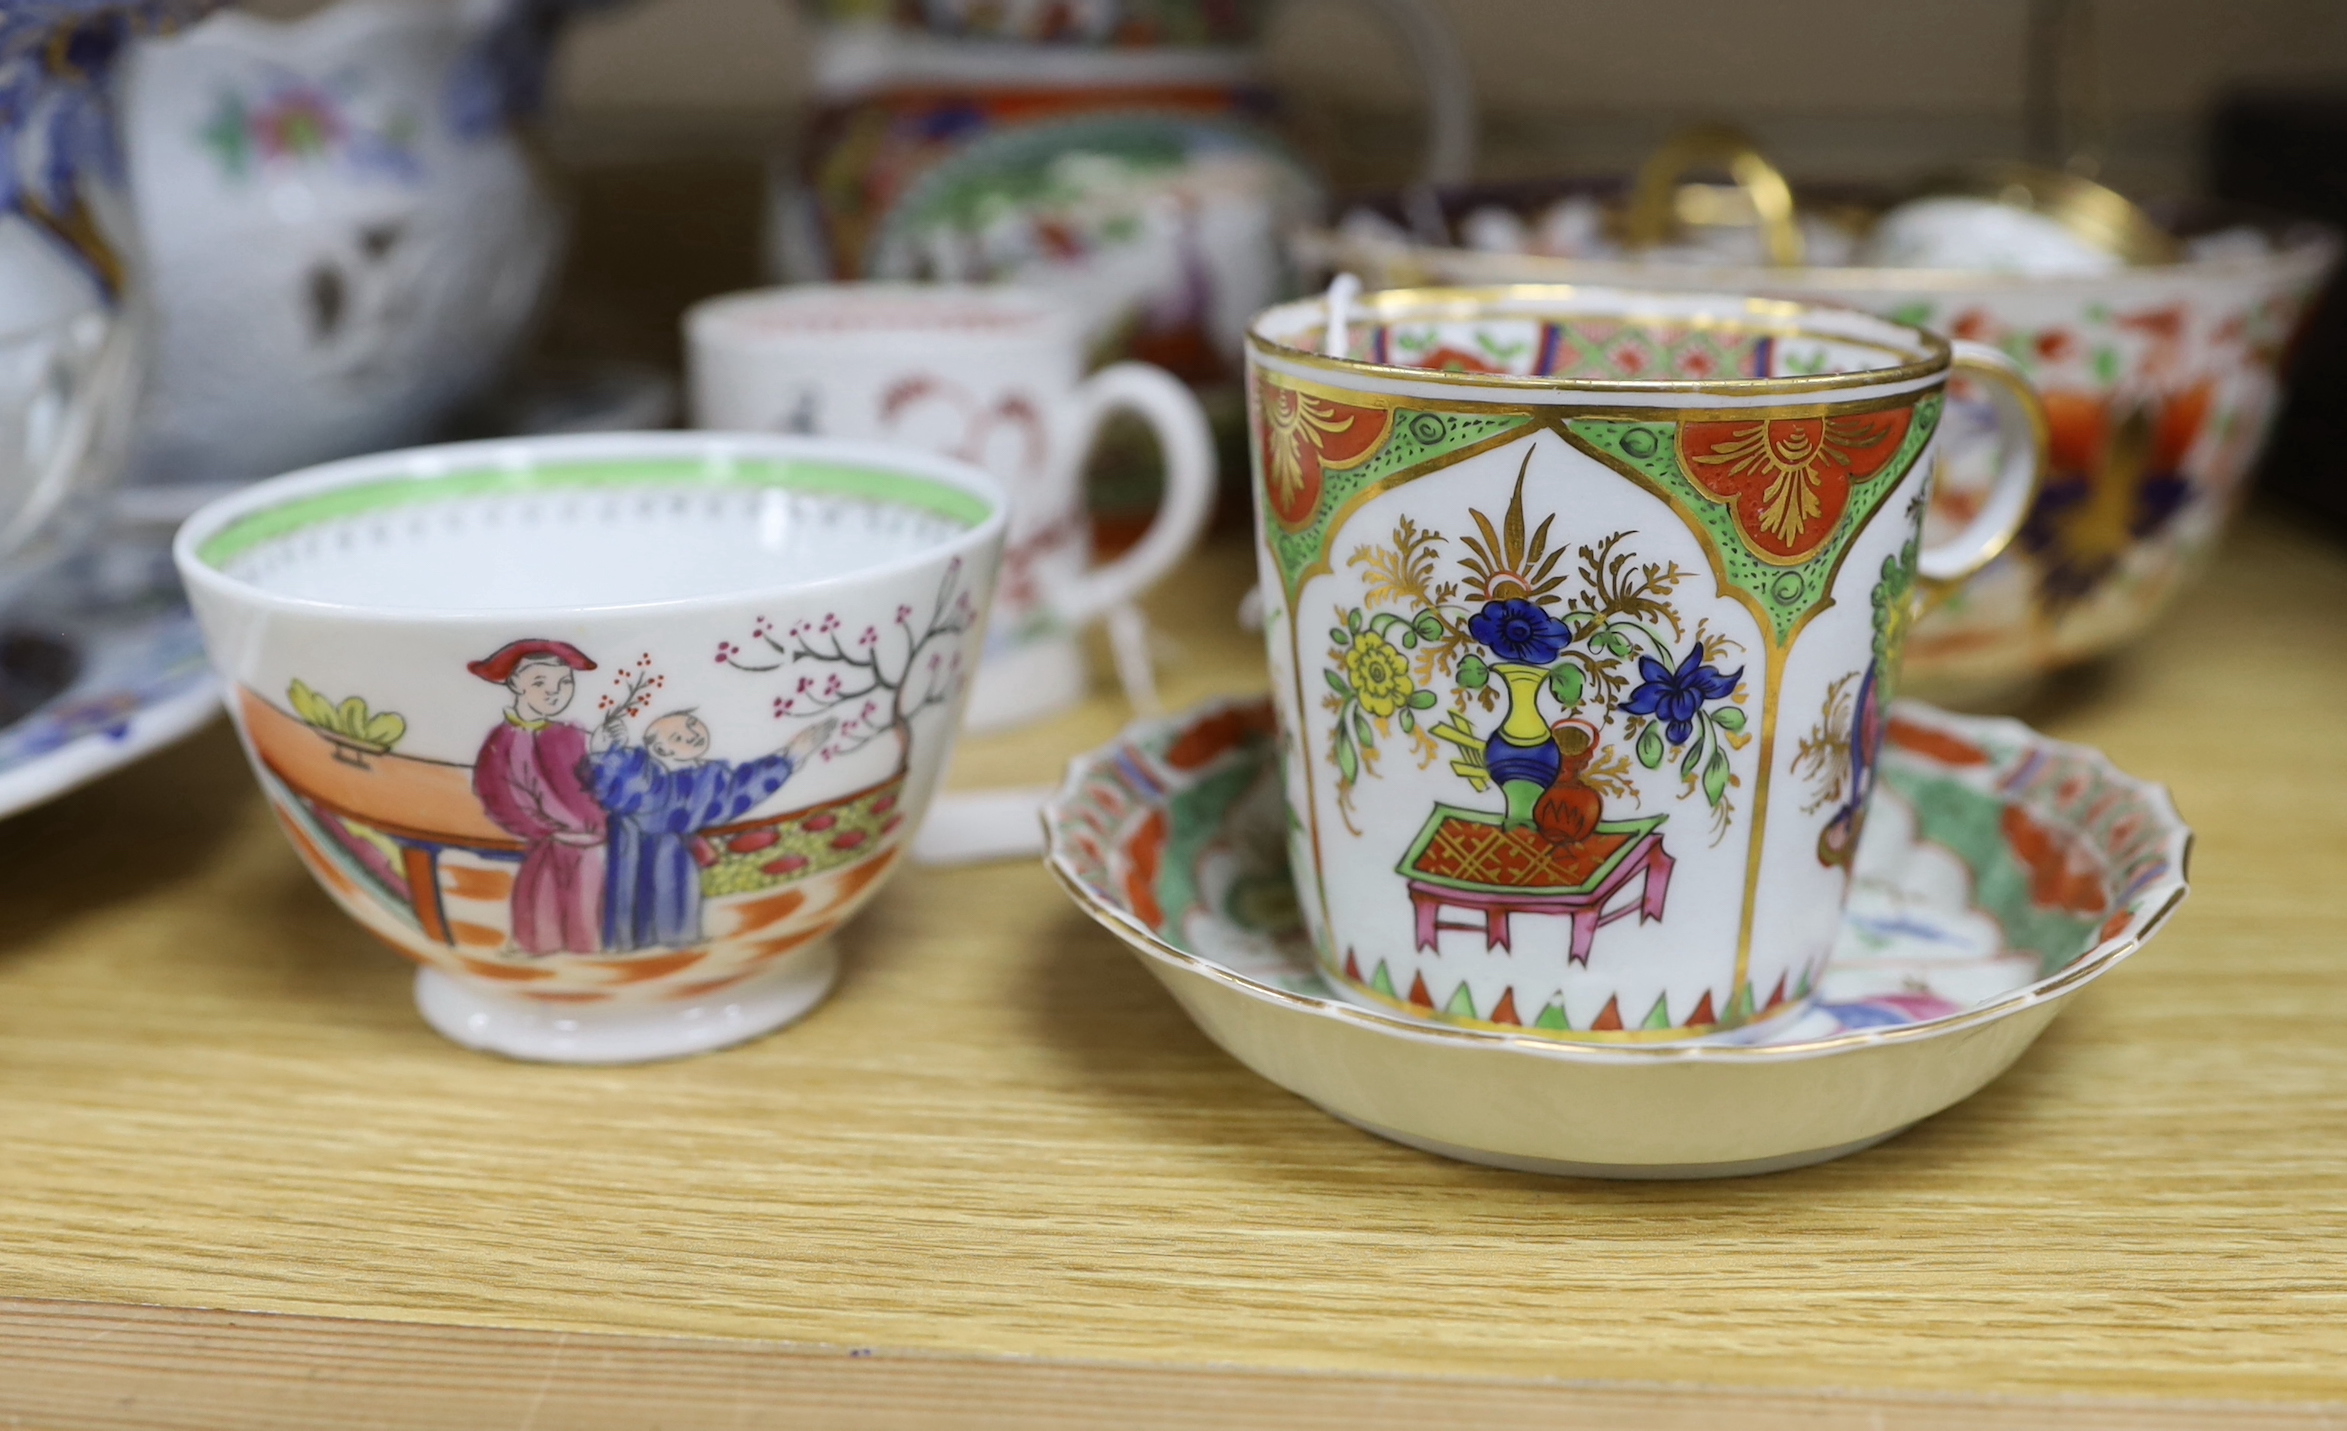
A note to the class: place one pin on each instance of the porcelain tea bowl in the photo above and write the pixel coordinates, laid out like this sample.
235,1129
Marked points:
2002,873
607,734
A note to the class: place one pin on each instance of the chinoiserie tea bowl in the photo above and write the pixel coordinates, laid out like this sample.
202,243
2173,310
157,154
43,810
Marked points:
607,734
1998,873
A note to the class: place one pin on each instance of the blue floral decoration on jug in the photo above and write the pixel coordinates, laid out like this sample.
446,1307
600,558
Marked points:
57,63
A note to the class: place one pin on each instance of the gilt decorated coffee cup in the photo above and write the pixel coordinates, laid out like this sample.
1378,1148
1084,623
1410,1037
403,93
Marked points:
606,734
1584,610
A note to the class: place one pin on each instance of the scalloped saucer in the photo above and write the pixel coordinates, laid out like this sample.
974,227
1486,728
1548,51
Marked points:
1999,873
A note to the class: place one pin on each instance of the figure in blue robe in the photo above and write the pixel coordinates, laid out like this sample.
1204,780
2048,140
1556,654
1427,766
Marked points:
659,796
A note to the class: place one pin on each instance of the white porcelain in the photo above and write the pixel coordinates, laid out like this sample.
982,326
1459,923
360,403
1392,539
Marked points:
638,1032
994,376
345,237
1957,231
70,314
970,827
2000,874
1583,609
607,734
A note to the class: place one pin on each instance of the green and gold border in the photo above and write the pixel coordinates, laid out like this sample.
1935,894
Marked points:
1760,317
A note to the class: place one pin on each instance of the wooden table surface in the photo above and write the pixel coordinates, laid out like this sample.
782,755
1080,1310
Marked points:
1000,1180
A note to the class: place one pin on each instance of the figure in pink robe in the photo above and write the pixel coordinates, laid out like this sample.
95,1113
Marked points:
529,778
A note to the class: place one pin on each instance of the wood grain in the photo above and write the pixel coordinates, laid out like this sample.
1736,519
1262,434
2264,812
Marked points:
156,1369
1002,1140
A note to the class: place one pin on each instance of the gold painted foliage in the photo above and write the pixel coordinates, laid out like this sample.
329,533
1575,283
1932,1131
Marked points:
1503,564
1623,595
1822,757
1403,574
1622,586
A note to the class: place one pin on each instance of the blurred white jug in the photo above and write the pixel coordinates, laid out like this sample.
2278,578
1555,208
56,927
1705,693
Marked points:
344,234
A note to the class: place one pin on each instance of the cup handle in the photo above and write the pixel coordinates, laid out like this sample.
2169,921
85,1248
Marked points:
1187,443
1654,197
1944,565
91,424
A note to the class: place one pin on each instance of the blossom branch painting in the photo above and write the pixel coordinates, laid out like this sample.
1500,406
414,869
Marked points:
873,677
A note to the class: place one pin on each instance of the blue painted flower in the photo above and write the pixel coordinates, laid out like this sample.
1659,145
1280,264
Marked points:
1675,697
1518,630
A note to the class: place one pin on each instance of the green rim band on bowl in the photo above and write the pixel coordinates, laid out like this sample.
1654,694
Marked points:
391,493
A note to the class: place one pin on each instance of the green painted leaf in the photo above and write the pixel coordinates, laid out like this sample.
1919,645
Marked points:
386,729
1473,674
1409,722
309,705
1422,700
351,716
1340,635
1353,618
1564,682
1728,718
1364,731
1337,683
1428,626
1715,777
1348,761
1694,753
1650,746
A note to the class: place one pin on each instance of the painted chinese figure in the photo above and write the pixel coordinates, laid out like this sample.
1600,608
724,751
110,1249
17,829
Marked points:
660,796
529,778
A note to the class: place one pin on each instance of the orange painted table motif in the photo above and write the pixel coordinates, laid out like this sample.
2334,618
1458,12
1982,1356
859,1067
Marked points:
1468,859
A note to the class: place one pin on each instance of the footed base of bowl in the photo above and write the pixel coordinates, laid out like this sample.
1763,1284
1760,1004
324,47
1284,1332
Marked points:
1652,1172
627,1033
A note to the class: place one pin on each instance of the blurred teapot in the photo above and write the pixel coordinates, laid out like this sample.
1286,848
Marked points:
1119,150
